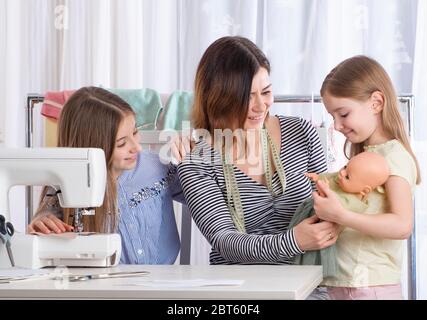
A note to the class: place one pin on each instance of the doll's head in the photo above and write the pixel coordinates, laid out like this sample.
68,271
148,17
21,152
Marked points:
363,173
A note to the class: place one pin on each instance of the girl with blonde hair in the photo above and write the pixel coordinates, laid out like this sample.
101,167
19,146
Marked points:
360,96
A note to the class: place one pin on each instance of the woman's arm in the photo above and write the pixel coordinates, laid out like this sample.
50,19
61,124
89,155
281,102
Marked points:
211,214
396,224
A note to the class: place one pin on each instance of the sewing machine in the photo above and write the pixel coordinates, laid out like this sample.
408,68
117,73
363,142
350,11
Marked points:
79,177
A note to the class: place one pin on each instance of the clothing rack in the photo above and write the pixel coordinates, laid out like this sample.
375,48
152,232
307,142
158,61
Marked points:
407,100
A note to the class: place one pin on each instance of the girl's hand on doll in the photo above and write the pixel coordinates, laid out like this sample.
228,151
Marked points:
327,207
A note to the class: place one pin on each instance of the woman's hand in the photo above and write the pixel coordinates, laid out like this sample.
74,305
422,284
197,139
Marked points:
310,234
47,223
327,207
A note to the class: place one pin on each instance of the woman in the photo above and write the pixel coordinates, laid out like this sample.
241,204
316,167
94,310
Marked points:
245,176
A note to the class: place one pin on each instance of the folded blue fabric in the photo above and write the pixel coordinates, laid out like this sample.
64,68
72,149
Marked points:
145,102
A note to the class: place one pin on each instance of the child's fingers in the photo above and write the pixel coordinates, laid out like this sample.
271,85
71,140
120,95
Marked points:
322,188
330,241
41,227
312,219
315,195
68,227
175,155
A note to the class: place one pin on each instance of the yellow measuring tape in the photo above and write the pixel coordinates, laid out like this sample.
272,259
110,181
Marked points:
233,194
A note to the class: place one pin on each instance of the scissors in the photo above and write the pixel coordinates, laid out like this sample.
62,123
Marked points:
6,232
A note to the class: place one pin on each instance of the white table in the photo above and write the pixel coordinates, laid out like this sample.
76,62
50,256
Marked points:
260,282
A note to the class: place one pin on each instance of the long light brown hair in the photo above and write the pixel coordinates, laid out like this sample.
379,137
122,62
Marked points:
223,83
357,78
90,119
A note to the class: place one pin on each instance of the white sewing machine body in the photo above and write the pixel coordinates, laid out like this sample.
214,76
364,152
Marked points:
91,250
80,175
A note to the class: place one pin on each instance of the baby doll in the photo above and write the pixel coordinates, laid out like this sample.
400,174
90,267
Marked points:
364,173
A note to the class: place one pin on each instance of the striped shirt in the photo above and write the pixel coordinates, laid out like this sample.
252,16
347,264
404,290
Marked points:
268,240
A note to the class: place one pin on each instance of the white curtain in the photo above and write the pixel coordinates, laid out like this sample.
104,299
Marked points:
66,44
29,63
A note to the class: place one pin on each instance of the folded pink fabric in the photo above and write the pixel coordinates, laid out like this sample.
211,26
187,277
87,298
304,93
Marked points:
53,103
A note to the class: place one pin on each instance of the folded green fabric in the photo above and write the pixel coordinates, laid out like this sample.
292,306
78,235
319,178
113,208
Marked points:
177,109
326,257
145,102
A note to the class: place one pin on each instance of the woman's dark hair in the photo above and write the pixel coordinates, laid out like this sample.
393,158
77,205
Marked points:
223,83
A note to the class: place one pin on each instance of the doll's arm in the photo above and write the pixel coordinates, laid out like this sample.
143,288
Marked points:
315,177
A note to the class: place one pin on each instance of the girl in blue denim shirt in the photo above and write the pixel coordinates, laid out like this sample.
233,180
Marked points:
140,189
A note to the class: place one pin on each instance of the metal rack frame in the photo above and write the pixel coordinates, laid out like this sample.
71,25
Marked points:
407,99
